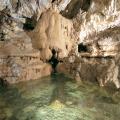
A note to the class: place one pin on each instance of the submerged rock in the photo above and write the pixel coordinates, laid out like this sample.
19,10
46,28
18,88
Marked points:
56,105
103,70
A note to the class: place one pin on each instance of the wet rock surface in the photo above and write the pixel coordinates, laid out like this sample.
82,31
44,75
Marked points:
102,70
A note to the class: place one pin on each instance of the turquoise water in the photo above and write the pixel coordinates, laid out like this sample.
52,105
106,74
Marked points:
36,100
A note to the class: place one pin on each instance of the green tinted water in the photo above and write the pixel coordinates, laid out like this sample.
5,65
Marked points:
58,98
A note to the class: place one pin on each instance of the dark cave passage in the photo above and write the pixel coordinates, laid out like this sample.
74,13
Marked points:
2,37
3,83
86,5
29,24
53,1
82,48
74,6
54,61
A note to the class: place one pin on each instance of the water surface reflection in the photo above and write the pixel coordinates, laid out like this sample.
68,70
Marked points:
58,98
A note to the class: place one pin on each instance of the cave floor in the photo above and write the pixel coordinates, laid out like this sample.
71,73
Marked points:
58,97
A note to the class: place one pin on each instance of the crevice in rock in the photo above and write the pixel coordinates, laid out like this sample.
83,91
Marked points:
86,5
82,48
53,1
54,61
3,83
2,36
74,6
30,24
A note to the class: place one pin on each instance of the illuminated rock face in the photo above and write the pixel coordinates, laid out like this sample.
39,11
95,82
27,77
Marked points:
102,70
100,27
97,51
19,61
53,32
21,57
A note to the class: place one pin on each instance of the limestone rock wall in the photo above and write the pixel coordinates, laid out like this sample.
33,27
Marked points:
100,25
24,54
103,70
19,61
53,32
14,69
96,54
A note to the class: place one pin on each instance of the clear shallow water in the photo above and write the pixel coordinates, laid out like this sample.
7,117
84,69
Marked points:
58,98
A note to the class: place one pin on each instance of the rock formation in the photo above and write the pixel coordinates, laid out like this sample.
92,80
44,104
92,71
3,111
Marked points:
96,55
19,61
82,34
53,32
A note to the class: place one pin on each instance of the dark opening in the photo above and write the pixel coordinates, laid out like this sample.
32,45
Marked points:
74,6
3,83
54,61
53,1
5,16
2,36
72,9
82,48
86,4
29,24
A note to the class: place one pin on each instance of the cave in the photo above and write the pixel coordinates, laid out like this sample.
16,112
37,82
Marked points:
29,24
60,65
82,48
54,61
